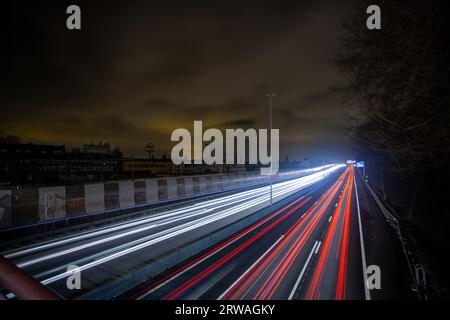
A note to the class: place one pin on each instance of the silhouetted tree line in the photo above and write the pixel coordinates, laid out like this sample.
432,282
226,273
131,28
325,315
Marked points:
400,78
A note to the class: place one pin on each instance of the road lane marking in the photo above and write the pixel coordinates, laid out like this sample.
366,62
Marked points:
321,205
361,240
175,230
285,187
128,224
155,238
244,233
318,247
312,225
248,270
67,239
330,237
297,283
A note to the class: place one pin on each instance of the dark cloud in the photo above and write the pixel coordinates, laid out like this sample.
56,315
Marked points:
239,123
317,97
138,70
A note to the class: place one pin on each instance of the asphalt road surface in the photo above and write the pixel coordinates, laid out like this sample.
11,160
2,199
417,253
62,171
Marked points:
106,254
309,248
314,242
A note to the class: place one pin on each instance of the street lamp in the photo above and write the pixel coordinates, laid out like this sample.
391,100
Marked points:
270,95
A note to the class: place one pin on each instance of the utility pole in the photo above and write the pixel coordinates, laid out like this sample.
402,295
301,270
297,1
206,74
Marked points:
132,167
270,95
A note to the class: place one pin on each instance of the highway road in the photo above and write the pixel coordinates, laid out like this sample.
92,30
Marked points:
314,242
310,248
301,211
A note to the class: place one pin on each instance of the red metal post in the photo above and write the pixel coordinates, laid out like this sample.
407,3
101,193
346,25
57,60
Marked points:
21,284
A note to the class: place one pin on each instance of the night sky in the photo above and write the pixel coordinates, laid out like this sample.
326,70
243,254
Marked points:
140,69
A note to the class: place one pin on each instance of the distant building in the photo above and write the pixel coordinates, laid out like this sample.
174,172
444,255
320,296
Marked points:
138,168
40,165
147,167
34,164
101,148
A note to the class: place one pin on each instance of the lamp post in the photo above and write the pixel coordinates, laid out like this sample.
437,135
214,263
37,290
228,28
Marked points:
270,95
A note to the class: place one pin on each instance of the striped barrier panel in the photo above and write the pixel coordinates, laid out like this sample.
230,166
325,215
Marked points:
33,205
5,208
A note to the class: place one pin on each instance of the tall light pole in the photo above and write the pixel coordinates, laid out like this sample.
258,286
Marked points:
270,95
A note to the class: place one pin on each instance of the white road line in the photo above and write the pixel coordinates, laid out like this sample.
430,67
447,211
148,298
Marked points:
318,247
205,258
283,186
248,270
161,236
121,235
154,239
393,222
104,240
361,240
227,200
331,217
297,283
189,268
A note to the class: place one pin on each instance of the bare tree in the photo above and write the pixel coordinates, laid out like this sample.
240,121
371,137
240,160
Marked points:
400,77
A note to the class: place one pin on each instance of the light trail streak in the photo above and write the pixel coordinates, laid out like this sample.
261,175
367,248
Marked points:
174,294
314,288
282,266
